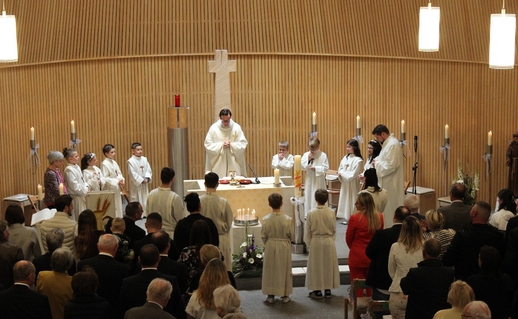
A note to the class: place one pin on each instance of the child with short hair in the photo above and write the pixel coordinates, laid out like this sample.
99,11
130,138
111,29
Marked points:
140,176
124,253
315,163
319,234
113,176
283,160
277,234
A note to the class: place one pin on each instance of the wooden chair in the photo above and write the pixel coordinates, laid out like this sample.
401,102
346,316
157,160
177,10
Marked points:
34,200
363,305
333,187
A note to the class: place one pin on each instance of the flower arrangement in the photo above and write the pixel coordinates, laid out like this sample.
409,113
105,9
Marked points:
249,262
471,184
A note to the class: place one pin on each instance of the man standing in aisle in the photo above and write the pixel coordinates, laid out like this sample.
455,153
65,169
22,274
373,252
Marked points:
389,168
225,146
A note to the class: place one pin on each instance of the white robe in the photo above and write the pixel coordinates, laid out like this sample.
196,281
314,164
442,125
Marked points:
277,232
218,209
319,234
315,179
348,171
139,169
112,173
221,160
92,176
169,205
389,168
380,197
77,188
285,165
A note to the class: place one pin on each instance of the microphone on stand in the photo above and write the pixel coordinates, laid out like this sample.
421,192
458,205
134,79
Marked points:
257,181
415,143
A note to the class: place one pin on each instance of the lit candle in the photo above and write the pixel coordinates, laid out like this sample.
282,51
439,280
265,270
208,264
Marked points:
297,175
314,122
446,131
40,192
177,100
253,213
490,138
73,126
276,176
358,122
403,126
61,192
32,133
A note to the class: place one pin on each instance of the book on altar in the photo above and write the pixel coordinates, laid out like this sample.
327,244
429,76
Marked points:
42,215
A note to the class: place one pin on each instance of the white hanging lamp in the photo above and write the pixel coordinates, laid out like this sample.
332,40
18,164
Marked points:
429,20
8,43
502,38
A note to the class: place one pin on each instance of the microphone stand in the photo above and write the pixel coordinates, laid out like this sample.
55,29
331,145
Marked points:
414,168
257,181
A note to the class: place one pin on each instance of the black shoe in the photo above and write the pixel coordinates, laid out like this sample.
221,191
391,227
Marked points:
327,293
317,294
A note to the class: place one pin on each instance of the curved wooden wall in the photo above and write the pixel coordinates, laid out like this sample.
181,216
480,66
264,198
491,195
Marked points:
115,66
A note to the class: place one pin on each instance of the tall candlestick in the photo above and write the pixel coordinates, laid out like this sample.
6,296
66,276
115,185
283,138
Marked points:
314,121
61,192
446,131
297,175
177,100
490,138
402,126
358,125
32,133
276,173
72,127
40,192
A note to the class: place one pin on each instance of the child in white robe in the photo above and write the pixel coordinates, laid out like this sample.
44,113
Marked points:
319,234
113,175
283,160
315,163
139,176
348,171
76,186
277,234
91,173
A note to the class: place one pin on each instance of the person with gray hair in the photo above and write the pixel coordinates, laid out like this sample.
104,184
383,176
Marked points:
227,301
9,255
57,284
412,202
476,310
54,240
13,301
52,178
158,294
22,236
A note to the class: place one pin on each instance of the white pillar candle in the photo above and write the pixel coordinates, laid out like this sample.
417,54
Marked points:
446,131
61,192
32,133
490,138
40,192
72,126
314,120
358,125
297,175
403,126
276,173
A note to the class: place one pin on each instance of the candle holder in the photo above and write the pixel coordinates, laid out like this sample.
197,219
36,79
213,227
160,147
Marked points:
74,140
445,152
34,153
277,184
403,140
358,136
487,159
314,132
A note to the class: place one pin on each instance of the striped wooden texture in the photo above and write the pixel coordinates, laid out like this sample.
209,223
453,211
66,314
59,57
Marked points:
115,66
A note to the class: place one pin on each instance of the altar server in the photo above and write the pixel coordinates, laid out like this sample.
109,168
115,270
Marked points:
348,171
91,173
315,163
76,186
283,160
113,175
139,175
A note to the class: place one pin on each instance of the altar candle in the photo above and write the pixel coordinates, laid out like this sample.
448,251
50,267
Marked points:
253,214
276,176
403,126
61,189
177,100
314,122
446,131
40,192
73,126
297,175
358,122
490,138
32,133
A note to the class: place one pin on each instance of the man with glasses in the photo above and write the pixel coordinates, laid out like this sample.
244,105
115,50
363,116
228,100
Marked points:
225,146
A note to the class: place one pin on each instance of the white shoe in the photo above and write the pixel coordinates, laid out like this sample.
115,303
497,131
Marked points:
270,299
286,299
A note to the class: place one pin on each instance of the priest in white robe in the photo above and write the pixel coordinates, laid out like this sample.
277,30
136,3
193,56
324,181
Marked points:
225,146
315,163
389,168
139,176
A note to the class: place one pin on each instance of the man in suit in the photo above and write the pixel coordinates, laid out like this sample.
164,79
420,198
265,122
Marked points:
9,255
154,224
158,294
110,272
133,213
427,286
20,301
412,202
465,245
167,266
133,290
378,251
456,215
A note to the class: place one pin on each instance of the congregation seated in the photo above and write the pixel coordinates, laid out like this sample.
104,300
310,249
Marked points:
459,296
85,242
228,302
133,289
21,235
158,294
57,284
86,304
9,255
13,301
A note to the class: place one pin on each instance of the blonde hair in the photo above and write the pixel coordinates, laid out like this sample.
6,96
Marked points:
434,220
214,275
314,143
370,212
118,224
411,235
460,294
209,252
